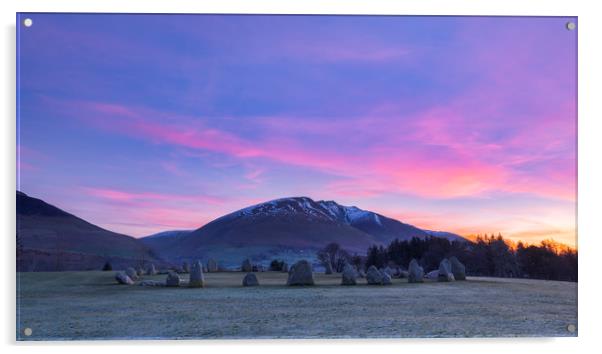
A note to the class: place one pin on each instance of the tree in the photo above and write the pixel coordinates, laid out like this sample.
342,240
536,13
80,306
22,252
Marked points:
276,265
486,256
107,266
377,256
333,253
357,260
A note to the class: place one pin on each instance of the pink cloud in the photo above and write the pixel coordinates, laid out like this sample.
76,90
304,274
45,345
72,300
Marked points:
445,151
139,198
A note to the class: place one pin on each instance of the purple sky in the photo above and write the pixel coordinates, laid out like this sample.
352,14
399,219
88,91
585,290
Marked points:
144,123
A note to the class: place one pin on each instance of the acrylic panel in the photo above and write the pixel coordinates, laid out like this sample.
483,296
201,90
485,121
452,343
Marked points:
190,176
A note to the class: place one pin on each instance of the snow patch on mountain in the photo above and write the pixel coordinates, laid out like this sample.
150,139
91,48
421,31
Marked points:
323,209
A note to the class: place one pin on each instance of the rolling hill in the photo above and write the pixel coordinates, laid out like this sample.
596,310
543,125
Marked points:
51,239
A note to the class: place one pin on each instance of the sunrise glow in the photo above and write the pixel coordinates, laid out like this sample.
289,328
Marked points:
464,124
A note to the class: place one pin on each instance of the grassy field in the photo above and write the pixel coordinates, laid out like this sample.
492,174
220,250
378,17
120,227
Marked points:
90,305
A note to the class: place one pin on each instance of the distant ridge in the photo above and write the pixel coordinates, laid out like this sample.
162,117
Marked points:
52,239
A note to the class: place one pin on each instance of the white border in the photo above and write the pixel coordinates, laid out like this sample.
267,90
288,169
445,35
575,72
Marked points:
590,172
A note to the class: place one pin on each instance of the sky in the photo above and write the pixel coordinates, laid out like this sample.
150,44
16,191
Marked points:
146,123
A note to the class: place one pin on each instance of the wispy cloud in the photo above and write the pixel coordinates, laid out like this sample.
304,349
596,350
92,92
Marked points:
436,155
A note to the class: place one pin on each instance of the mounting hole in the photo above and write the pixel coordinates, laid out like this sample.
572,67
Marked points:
27,22
571,328
27,331
571,25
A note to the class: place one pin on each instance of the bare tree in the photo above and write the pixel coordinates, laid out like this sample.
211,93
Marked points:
334,255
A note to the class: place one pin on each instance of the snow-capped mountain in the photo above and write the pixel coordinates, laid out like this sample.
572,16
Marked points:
296,223
320,209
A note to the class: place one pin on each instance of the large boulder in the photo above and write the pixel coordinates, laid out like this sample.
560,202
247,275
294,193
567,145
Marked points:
250,280
197,280
445,273
247,266
123,278
300,274
132,273
432,274
386,279
374,276
211,265
457,268
389,271
173,279
151,270
415,272
328,268
348,277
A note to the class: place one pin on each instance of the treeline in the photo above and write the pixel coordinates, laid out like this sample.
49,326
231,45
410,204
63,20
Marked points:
487,256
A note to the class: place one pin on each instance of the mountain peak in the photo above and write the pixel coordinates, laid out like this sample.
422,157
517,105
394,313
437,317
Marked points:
284,225
329,209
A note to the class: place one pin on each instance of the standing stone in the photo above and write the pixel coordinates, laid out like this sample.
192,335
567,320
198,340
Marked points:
434,274
285,267
445,273
173,279
374,276
300,274
151,270
328,268
185,267
386,279
349,276
197,280
123,278
360,272
389,271
212,266
247,266
415,273
250,280
458,269
131,272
